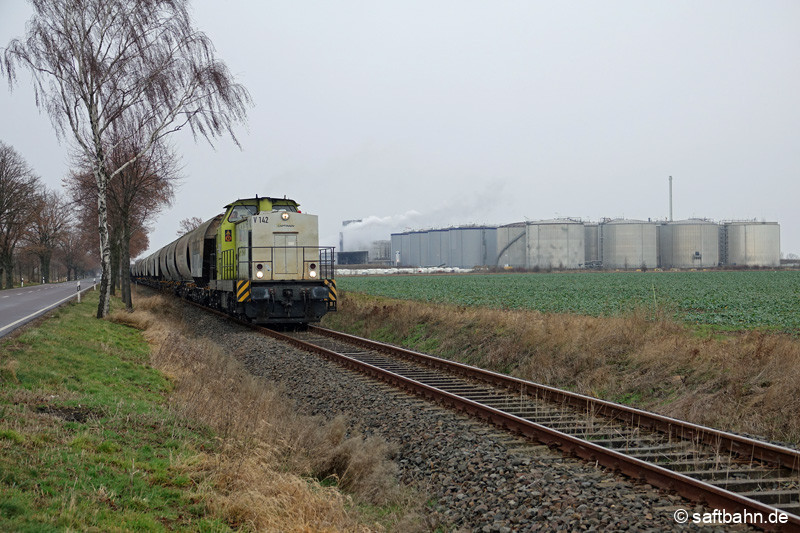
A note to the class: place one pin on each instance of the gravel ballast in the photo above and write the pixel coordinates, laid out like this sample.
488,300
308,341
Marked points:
480,478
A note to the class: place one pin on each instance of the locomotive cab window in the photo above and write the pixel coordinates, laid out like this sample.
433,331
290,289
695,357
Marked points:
240,212
290,208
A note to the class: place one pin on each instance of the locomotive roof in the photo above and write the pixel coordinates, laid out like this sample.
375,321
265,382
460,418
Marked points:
270,198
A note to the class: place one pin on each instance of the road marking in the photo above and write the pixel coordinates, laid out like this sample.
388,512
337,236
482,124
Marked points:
37,312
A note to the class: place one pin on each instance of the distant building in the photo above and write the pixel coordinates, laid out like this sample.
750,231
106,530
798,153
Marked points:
352,258
610,244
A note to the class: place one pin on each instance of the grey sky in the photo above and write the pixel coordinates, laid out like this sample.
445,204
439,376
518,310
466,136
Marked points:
419,114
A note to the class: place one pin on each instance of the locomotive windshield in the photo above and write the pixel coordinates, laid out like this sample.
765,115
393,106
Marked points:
240,212
291,208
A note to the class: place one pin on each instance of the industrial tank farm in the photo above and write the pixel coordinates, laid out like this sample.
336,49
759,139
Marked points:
618,244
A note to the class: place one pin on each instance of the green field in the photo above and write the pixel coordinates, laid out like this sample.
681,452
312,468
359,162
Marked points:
725,300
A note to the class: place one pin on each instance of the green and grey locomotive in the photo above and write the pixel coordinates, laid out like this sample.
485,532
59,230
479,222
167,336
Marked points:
259,260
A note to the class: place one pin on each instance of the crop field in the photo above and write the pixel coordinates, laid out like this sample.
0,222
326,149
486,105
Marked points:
723,300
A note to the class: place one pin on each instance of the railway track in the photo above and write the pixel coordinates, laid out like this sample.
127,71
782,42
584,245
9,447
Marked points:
730,472
754,479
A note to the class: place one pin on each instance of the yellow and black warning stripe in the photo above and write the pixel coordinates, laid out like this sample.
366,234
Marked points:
331,284
243,291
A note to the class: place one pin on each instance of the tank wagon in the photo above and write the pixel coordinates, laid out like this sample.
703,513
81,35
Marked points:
259,260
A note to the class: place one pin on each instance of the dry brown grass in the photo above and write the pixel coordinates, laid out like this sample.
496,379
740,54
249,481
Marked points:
747,382
264,473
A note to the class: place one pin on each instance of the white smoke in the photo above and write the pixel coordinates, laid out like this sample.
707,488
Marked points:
461,208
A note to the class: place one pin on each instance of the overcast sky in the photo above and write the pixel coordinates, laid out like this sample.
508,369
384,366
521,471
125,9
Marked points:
419,114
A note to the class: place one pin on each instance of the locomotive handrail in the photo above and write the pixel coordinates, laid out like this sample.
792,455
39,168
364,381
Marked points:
322,256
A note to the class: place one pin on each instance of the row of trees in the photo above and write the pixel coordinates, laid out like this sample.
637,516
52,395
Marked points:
35,222
116,78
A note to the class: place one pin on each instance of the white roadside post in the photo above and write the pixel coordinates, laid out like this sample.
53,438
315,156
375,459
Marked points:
79,291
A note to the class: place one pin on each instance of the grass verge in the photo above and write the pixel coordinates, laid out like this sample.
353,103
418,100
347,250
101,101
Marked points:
105,426
745,382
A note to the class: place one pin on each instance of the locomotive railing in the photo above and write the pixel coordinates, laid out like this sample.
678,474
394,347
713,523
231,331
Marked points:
283,262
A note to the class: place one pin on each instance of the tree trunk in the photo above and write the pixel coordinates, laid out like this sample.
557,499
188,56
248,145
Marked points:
104,303
44,261
8,266
125,266
114,265
7,276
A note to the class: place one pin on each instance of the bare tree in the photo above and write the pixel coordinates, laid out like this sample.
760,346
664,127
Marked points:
18,190
124,72
140,192
135,197
49,224
73,248
188,224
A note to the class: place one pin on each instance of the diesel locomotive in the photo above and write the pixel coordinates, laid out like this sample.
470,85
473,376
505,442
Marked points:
260,260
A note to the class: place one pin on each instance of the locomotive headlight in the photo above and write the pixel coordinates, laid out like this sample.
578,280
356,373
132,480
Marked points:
313,274
285,215
259,274
312,270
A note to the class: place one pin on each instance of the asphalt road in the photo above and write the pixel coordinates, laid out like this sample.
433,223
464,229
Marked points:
19,306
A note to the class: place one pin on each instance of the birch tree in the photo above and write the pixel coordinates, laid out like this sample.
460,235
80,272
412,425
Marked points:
123,71
135,197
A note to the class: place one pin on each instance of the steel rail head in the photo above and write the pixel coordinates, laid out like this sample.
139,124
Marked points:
743,446
684,485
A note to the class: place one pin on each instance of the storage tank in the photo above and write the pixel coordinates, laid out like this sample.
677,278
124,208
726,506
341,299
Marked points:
750,243
417,250
473,246
558,243
629,244
511,244
690,243
401,242
438,247
591,240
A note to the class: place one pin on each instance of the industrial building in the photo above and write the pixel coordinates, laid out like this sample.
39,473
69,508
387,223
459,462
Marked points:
611,244
461,247
546,244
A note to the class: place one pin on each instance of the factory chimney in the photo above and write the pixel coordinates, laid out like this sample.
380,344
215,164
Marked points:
670,198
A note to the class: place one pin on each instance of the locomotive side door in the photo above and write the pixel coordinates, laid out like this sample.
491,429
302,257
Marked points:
242,251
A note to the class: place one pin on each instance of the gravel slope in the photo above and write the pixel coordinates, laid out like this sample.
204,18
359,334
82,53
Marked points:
480,478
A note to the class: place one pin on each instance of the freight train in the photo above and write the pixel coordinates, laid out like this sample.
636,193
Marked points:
260,260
